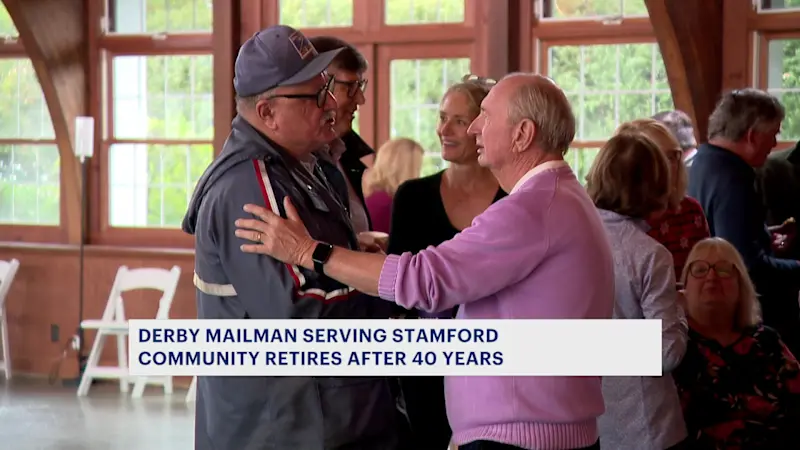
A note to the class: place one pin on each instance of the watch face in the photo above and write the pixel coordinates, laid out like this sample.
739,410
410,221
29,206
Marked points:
322,252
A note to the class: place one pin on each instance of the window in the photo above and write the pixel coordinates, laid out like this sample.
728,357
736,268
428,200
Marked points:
316,13
778,5
783,81
608,85
159,16
405,12
356,121
162,128
30,166
7,27
587,9
417,86
581,160
158,127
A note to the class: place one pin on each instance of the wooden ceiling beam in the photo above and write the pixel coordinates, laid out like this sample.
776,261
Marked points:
689,33
59,55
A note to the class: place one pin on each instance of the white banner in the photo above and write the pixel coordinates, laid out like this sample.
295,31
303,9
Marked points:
395,347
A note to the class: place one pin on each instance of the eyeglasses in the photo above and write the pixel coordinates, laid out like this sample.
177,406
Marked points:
700,268
675,156
481,80
353,86
321,96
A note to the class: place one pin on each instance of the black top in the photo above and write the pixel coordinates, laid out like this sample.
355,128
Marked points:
351,160
779,187
418,216
419,220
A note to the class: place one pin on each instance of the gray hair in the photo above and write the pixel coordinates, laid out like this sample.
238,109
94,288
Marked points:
541,101
741,110
249,102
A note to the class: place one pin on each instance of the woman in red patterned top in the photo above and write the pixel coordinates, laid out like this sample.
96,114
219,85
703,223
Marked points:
739,384
683,224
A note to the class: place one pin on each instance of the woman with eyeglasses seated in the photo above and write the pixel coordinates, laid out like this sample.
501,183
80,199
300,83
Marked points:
739,384
629,184
683,224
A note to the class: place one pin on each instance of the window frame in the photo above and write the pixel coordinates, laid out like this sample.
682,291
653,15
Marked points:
469,7
111,45
388,53
106,8
369,33
765,26
12,48
554,32
544,63
375,39
539,7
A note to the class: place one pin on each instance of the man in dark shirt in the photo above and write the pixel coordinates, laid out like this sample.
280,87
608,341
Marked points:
348,149
779,187
742,131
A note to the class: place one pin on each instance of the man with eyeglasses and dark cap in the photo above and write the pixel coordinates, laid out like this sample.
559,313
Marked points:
285,113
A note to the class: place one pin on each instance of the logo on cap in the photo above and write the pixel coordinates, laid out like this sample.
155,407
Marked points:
303,46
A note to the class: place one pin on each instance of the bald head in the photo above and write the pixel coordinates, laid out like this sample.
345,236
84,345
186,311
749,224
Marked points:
536,98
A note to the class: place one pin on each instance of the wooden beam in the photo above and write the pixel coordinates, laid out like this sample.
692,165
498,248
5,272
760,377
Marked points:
490,57
736,59
689,33
225,42
59,57
520,39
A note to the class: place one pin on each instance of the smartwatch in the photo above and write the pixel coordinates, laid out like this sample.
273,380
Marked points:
320,256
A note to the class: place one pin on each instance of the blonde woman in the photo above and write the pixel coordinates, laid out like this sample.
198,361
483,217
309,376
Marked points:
683,224
397,160
449,201
739,384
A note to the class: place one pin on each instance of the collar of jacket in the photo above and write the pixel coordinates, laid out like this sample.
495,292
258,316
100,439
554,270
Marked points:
356,148
244,135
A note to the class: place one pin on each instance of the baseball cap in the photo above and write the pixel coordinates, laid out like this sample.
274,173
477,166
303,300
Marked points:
277,56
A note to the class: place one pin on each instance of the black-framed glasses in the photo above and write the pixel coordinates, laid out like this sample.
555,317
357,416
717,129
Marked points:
321,96
700,268
353,86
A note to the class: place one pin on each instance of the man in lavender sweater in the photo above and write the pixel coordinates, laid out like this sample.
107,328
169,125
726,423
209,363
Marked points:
544,247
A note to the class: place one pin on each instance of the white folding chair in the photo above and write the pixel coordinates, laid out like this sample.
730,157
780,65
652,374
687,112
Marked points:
115,324
8,269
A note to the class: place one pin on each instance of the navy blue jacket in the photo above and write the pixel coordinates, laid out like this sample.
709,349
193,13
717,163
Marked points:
259,413
725,186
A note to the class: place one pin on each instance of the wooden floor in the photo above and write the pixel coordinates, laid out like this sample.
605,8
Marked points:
37,416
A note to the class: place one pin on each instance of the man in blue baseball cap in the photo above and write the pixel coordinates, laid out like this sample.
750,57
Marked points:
285,112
